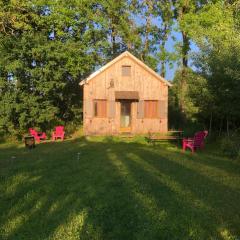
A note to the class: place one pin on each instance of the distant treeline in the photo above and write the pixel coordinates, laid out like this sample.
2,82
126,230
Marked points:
48,46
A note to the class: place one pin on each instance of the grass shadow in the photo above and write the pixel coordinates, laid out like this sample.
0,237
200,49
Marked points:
107,188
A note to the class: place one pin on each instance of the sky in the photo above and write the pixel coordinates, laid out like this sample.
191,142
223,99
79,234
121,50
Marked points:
170,45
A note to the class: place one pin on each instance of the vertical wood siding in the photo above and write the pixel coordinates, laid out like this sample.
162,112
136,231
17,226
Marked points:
104,85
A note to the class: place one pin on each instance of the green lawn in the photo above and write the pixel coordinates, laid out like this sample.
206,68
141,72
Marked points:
104,188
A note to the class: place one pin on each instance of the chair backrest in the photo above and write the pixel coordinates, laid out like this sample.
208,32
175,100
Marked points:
206,133
32,132
59,129
199,138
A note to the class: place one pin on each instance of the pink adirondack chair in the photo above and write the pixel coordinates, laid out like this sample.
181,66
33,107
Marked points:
58,133
38,136
197,142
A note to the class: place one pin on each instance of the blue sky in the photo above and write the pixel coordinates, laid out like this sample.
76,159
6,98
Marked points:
170,45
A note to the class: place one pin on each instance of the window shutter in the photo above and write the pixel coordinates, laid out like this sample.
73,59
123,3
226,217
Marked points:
126,70
112,109
88,108
140,109
101,108
162,108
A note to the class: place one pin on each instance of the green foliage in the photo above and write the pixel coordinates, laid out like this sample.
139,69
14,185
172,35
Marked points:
215,30
212,26
194,94
230,147
47,47
183,93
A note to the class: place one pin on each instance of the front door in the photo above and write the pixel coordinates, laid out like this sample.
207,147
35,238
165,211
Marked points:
125,116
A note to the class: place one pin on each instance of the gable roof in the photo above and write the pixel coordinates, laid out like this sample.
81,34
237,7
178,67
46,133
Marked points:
125,54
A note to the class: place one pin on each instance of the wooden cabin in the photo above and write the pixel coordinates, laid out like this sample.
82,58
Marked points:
125,96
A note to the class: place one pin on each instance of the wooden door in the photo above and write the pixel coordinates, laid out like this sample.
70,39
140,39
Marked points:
125,116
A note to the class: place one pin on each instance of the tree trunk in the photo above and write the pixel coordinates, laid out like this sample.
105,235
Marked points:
113,39
147,31
220,129
163,62
185,49
163,68
210,124
228,128
162,47
146,44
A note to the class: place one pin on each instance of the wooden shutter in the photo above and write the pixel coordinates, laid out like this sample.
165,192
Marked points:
100,108
112,109
88,108
140,109
126,70
162,109
150,109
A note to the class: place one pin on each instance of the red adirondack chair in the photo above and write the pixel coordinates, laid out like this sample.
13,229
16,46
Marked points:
197,142
37,135
58,133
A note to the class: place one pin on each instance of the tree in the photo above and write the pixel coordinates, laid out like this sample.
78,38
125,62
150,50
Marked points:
216,31
47,48
182,9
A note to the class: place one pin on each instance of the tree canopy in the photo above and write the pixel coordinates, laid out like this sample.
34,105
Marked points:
48,46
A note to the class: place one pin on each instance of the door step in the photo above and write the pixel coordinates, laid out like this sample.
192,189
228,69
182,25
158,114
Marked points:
126,135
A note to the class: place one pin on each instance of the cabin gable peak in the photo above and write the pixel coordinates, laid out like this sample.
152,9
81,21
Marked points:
125,54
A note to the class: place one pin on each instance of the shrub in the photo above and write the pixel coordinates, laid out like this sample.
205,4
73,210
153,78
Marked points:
71,128
230,147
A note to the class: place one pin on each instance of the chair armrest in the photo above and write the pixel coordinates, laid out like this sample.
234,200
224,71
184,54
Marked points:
188,139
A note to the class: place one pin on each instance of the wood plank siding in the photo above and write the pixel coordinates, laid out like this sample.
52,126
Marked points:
125,78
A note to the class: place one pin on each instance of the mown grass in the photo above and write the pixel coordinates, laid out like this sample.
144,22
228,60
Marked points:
109,188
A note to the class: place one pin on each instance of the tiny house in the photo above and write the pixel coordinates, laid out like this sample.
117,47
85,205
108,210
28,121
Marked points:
125,96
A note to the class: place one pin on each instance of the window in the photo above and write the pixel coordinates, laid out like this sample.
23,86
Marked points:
151,109
126,71
100,108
